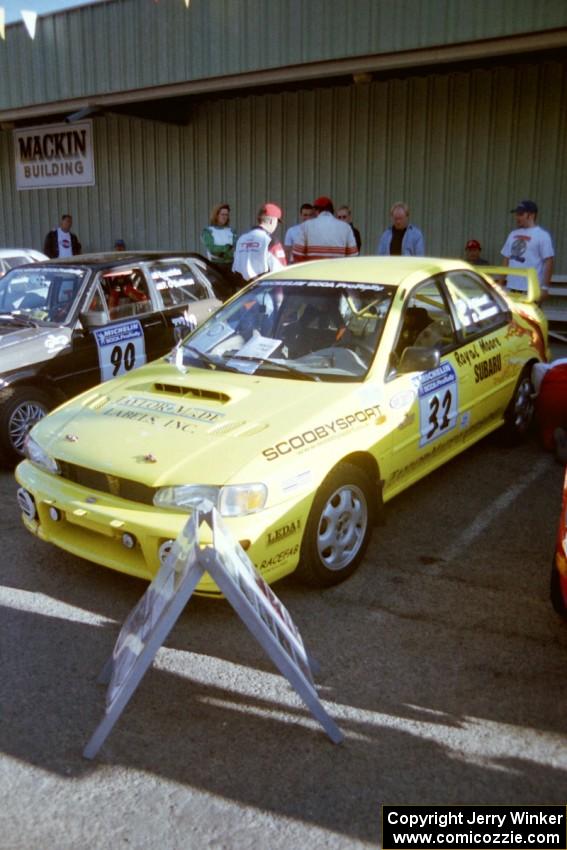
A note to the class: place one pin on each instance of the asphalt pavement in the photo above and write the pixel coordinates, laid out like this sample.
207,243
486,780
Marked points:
441,661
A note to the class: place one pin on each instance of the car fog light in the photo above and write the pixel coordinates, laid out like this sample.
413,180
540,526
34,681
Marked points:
128,540
164,550
55,514
27,503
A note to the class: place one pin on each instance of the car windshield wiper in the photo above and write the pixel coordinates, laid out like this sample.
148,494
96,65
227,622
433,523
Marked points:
307,376
206,358
19,319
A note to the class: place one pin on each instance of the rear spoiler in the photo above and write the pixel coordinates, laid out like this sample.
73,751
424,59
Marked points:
533,294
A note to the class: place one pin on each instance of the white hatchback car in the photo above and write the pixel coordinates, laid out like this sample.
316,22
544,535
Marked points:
12,257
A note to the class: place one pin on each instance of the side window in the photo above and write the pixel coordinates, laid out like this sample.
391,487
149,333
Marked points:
126,293
177,283
209,277
426,322
477,307
96,303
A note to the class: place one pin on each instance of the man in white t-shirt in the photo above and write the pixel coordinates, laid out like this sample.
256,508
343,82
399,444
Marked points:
61,242
528,246
305,213
257,252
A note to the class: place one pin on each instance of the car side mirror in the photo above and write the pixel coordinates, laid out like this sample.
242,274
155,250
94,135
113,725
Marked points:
418,359
93,319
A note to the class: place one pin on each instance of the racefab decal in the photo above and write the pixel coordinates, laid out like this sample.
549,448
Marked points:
438,403
474,352
284,531
121,348
487,368
165,414
305,439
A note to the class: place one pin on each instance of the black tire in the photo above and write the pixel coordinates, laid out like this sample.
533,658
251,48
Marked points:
519,414
20,409
339,527
555,594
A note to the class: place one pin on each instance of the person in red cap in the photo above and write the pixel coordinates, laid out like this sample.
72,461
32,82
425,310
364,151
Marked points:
257,251
324,237
472,253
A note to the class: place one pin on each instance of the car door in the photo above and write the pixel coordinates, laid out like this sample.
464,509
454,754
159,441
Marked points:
422,388
483,320
118,327
186,295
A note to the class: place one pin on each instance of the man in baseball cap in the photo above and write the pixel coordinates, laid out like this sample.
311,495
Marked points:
323,203
528,246
257,251
472,253
526,207
270,210
324,237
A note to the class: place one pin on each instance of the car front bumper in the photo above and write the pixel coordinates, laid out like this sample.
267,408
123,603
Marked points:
95,526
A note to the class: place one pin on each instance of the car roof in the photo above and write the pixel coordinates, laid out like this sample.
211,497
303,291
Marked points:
391,271
112,259
19,252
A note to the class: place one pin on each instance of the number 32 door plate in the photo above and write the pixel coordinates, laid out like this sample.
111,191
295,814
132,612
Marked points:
121,348
438,403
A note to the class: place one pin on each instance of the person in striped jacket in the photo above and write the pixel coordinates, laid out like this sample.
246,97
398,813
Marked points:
324,237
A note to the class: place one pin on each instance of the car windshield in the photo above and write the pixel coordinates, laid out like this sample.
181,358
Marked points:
45,294
320,330
7,263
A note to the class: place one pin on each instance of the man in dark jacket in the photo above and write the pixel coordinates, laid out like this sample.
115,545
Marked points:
61,242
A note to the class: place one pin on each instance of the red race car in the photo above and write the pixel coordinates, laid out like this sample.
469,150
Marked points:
558,587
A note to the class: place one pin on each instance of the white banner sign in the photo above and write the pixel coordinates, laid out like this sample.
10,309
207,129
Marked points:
54,156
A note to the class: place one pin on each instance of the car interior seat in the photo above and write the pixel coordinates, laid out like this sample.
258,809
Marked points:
316,328
31,301
416,319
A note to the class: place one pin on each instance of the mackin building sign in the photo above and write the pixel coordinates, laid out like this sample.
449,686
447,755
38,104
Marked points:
54,156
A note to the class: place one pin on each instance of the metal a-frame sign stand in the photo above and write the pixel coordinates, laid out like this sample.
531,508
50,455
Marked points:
151,620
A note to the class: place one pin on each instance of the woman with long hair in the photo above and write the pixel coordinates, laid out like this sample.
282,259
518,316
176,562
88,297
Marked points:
219,238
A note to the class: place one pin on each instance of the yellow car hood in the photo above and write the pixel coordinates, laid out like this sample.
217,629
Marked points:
159,426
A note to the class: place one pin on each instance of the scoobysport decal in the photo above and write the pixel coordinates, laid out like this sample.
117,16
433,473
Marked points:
321,432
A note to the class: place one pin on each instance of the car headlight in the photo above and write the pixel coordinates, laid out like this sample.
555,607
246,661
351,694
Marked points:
242,499
39,456
232,500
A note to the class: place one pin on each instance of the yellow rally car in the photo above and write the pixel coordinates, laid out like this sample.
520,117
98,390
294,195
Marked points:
301,406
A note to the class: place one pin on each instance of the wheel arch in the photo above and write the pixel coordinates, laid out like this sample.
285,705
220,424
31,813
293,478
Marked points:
35,381
369,465
511,430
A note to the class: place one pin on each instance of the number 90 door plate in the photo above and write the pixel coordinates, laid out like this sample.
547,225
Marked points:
121,348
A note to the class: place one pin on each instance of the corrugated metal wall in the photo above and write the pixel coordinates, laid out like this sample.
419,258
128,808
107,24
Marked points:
127,44
461,148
